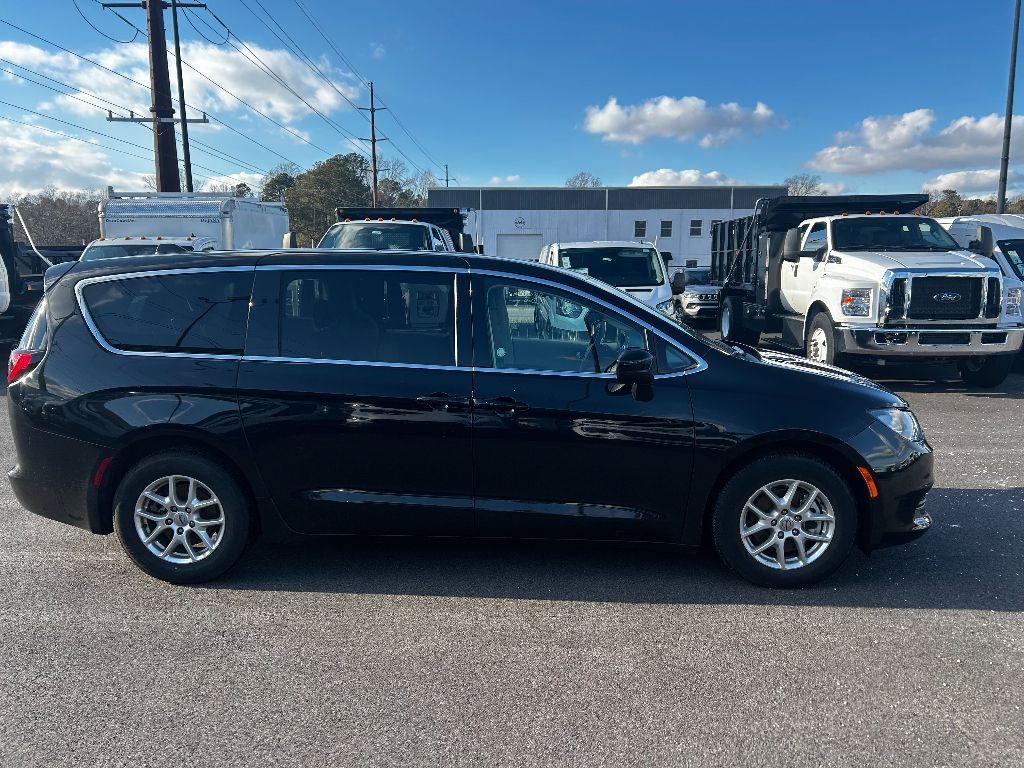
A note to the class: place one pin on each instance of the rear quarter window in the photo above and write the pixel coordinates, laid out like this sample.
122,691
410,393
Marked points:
193,312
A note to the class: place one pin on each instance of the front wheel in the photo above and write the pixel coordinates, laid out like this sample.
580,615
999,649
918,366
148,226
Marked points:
820,344
181,518
990,371
785,521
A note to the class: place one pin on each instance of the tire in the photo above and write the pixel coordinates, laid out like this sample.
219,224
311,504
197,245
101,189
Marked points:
986,372
185,558
820,341
731,325
778,473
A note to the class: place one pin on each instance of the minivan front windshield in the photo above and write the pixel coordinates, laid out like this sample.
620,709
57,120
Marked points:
623,267
891,233
378,236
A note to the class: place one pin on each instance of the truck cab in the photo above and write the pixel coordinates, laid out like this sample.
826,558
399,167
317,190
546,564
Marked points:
636,268
379,234
867,280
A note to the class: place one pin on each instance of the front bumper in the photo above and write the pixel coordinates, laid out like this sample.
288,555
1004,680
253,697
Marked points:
903,472
966,341
699,309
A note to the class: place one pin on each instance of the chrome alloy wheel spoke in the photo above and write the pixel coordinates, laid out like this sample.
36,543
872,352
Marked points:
179,519
787,524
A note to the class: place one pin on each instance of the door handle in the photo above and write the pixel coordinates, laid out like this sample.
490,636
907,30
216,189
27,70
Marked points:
442,401
503,406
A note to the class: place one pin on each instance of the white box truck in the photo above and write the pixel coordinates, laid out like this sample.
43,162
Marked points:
133,222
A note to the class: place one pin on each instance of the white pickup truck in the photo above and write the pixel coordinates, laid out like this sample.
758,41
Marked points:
859,277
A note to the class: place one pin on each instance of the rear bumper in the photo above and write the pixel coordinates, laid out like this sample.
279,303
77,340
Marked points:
903,472
888,341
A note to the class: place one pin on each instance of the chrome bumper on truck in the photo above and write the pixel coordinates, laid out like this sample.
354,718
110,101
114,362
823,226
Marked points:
939,342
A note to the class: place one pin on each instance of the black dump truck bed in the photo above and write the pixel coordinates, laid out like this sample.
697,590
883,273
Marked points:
451,219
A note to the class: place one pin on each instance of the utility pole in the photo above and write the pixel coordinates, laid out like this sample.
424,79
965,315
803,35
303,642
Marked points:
185,155
1004,161
373,110
446,174
165,148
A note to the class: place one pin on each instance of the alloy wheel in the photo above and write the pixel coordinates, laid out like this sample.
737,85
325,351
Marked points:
787,524
179,519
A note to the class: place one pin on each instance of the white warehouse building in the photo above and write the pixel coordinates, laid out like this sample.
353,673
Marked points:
516,222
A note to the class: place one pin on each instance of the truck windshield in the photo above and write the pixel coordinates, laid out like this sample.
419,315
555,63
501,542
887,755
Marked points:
117,250
378,236
891,233
621,267
1014,250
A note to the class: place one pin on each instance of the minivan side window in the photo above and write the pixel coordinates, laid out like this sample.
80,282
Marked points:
537,329
192,312
377,316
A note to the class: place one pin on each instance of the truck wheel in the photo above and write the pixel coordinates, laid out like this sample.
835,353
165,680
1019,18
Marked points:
730,323
820,344
986,372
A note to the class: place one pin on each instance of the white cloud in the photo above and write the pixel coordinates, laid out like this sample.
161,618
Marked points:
834,188
666,177
495,181
982,182
215,183
682,119
908,142
34,159
223,66
378,51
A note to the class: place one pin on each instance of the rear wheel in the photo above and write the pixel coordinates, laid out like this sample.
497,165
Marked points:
990,371
181,518
785,521
730,323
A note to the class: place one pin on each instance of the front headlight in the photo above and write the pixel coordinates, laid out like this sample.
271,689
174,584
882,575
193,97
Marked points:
901,421
1012,302
856,302
664,306
691,296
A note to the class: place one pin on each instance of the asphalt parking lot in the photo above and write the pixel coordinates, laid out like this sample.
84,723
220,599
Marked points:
397,652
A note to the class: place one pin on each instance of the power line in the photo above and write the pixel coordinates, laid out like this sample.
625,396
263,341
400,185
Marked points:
100,31
143,85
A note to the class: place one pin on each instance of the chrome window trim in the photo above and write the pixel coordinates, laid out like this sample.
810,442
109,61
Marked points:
102,341
361,267
699,363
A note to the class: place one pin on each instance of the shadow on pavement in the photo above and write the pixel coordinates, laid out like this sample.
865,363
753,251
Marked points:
969,560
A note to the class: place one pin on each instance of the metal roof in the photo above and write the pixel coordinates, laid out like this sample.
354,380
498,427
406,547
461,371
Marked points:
600,198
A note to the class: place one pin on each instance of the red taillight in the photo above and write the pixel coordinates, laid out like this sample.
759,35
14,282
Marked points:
19,362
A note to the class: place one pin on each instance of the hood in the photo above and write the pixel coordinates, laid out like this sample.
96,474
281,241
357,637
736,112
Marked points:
650,295
693,288
844,378
919,259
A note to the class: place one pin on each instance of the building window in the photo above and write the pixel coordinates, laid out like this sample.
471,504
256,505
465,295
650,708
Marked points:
666,229
691,263
696,227
639,229
666,255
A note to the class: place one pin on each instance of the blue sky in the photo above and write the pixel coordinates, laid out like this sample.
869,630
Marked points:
873,96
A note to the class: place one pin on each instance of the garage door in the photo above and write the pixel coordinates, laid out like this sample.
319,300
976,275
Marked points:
526,247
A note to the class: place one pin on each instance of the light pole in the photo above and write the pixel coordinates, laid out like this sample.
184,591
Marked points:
1004,161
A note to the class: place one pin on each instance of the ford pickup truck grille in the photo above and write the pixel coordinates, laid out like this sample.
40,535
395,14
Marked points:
945,298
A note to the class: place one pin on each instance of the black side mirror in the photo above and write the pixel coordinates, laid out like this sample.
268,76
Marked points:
678,283
634,366
466,242
791,245
985,244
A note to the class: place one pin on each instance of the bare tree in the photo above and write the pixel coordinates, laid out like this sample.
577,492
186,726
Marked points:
804,184
59,217
583,180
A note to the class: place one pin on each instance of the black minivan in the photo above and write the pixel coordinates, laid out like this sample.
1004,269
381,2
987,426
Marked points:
193,403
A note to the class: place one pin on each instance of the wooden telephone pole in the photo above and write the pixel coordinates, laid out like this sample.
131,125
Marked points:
165,148
373,109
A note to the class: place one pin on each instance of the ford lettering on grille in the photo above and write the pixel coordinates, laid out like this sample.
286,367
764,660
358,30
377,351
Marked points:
947,297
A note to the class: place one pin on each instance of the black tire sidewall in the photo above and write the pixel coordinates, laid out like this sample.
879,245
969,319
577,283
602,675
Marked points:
992,372
726,517
233,501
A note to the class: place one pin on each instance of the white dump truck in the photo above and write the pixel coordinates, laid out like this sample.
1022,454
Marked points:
134,223
860,277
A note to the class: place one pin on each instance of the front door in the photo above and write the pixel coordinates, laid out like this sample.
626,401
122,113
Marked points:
353,400
557,451
799,277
